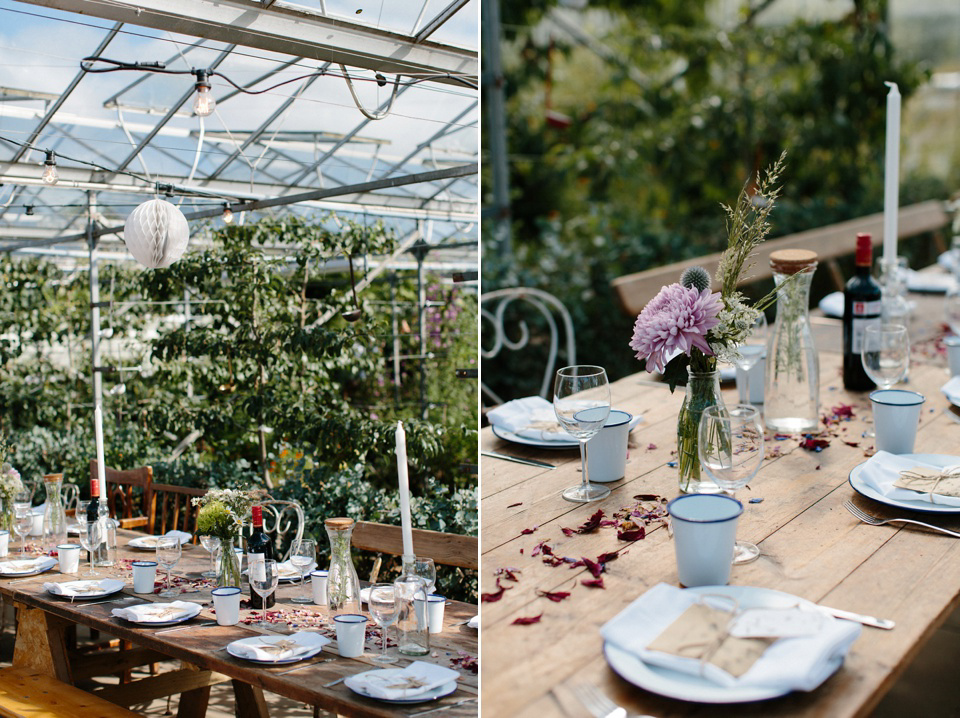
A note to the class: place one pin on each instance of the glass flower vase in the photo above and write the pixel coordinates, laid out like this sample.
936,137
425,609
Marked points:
703,390
8,516
228,567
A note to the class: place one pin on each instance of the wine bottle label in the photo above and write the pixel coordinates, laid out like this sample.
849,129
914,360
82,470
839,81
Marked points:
258,569
868,309
860,328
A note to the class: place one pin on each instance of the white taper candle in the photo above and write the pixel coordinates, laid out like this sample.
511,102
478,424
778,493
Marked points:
101,467
891,176
406,527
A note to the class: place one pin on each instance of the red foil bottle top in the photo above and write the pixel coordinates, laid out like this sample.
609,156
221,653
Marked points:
257,515
864,257
94,487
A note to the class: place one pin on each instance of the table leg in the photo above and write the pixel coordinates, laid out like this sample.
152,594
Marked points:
193,704
250,702
41,643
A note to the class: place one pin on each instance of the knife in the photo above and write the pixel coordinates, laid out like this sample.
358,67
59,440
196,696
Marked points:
517,459
883,623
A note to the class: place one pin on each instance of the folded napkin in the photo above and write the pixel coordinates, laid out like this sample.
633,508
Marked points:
532,417
474,622
951,390
158,612
278,648
832,305
391,684
41,563
151,541
796,663
84,588
948,260
882,472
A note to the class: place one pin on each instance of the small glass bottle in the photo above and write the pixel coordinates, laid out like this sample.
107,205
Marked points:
792,393
54,514
413,638
343,585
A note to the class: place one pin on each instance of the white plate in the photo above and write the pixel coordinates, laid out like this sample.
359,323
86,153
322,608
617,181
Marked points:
108,586
292,659
355,685
182,619
44,564
506,435
938,460
291,578
149,543
696,689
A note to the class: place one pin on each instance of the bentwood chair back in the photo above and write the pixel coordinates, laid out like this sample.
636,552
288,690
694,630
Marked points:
284,520
171,508
445,549
507,316
128,493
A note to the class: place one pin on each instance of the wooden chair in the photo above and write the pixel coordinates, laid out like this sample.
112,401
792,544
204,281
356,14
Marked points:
170,508
445,549
128,492
284,520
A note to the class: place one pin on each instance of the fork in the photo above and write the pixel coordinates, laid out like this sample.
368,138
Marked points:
597,703
874,521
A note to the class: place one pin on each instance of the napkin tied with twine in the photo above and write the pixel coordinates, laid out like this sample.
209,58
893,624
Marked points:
703,634
930,481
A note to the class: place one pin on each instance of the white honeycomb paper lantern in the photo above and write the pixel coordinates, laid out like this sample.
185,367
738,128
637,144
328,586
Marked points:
156,233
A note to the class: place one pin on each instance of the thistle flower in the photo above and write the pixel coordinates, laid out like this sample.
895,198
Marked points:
696,277
677,318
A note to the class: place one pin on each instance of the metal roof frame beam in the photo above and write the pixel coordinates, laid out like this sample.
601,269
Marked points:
288,30
437,22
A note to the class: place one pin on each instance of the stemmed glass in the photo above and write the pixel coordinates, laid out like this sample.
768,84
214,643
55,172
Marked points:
385,608
581,400
751,351
23,500
23,525
886,354
169,552
951,309
302,556
425,568
263,580
91,536
731,450
212,545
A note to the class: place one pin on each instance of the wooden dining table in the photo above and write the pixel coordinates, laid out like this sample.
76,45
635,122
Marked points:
44,623
538,644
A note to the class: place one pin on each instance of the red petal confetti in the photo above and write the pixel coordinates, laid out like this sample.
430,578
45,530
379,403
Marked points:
634,535
466,662
593,582
591,524
811,444
527,620
593,567
844,411
607,557
542,548
567,532
555,596
527,532
854,444
492,597
651,447
508,573
646,497
519,503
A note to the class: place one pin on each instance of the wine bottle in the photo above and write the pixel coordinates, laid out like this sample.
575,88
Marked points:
862,307
259,548
93,508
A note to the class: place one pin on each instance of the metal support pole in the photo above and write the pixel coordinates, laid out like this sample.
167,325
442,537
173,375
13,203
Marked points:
395,324
94,301
496,132
419,251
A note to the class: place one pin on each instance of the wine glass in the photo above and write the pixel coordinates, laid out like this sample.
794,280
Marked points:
169,552
581,400
23,525
731,450
425,568
23,500
951,310
755,343
886,354
212,545
263,580
385,608
91,536
302,556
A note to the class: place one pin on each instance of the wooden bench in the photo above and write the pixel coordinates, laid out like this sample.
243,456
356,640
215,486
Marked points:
31,694
836,240
445,549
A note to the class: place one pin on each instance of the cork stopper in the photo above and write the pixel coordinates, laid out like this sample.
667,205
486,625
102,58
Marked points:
53,477
338,524
792,261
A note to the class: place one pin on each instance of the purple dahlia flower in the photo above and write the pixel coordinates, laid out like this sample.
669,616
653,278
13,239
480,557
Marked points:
677,318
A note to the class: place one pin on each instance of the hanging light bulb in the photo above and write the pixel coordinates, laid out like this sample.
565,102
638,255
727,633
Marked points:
29,210
227,214
204,103
50,175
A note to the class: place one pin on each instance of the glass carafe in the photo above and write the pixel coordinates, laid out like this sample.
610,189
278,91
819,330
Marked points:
54,514
792,393
413,638
343,586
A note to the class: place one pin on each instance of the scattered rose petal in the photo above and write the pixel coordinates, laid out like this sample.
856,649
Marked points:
527,532
647,497
811,444
567,532
593,582
519,503
781,437
555,596
651,447
632,534
607,557
508,573
591,524
755,500
854,444
492,597
672,464
593,567
527,620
